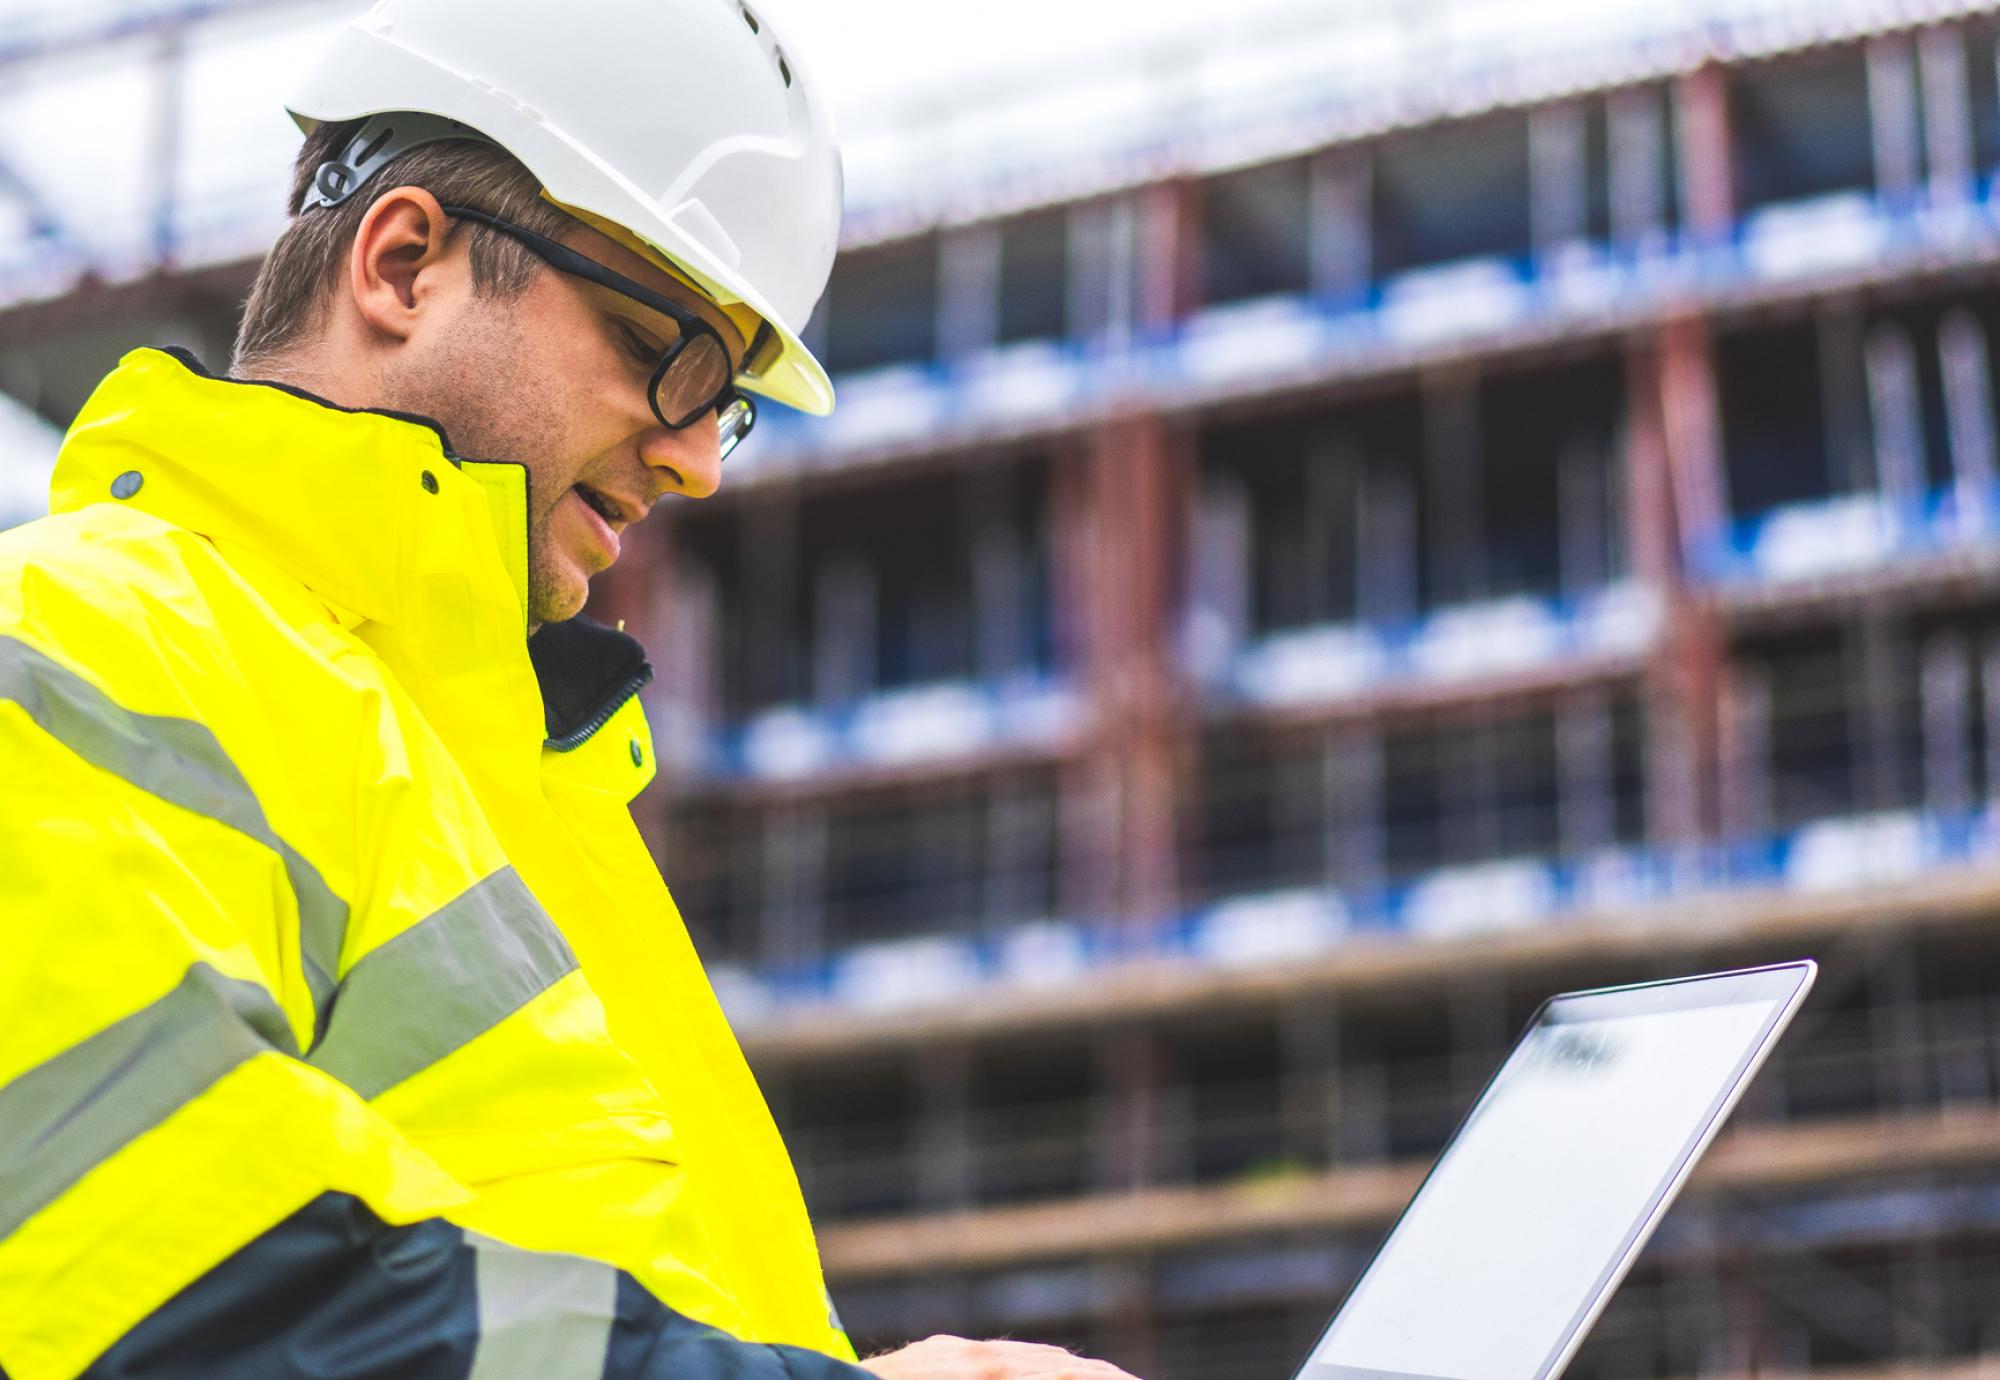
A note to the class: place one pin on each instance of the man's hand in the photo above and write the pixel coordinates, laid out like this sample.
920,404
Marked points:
955,1358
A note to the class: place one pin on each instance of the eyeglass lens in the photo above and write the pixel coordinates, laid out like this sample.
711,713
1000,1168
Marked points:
688,388
734,421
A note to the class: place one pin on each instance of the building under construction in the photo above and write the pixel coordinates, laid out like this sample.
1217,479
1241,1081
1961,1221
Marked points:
1285,593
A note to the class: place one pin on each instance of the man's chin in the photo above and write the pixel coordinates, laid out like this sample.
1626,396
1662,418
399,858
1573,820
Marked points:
556,596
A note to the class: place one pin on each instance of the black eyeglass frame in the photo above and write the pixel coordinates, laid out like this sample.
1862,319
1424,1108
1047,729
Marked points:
561,257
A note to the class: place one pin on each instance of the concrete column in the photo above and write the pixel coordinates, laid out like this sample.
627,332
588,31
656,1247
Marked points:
1169,248
1893,118
1124,515
1846,375
1895,408
1947,114
1692,423
1342,246
1558,177
1969,420
1640,186
1707,162
1946,690
1674,476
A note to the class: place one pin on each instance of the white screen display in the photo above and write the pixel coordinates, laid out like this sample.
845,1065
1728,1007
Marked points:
1501,1250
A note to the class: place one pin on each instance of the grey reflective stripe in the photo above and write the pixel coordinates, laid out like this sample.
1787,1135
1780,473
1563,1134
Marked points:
447,979
541,1317
64,1117
179,761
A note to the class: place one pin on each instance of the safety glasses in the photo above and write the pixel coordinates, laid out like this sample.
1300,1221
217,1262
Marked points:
692,378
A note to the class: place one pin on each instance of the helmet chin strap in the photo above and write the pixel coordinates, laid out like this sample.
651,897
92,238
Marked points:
380,139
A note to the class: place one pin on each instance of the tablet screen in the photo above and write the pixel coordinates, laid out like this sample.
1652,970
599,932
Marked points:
1558,1169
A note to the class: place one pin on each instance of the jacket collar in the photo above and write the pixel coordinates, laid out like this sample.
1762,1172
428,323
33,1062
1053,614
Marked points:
371,510
362,507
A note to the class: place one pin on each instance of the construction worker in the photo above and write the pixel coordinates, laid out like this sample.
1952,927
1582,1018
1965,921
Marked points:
349,1028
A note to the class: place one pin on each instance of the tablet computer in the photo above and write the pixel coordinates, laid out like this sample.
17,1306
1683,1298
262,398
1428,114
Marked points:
1556,1178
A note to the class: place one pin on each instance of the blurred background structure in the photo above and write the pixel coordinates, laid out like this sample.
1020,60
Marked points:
1337,527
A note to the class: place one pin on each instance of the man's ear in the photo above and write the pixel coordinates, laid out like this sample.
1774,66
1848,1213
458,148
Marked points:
394,262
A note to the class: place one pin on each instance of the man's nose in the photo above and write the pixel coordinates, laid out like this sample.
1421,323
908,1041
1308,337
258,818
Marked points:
688,461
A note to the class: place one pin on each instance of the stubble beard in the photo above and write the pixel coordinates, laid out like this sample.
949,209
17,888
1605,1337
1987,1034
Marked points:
495,408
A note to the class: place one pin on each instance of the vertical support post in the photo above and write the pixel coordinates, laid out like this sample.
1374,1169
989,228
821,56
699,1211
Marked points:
1707,163
1103,280
1989,698
1122,510
1089,786
1893,119
1650,528
1896,408
1558,179
1143,481
1947,114
1674,467
1693,431
1969,422
1639,169
1127,503
1169,242
1453,487
1341,247
968,304
1946,681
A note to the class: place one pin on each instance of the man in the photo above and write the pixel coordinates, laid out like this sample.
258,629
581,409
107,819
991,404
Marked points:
349,1029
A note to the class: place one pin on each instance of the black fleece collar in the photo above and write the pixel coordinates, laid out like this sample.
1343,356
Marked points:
587,672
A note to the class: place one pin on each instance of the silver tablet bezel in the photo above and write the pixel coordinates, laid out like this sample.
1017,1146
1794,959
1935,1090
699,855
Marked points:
1789,983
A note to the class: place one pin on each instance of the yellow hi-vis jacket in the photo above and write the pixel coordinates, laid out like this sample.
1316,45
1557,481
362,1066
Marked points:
343,1012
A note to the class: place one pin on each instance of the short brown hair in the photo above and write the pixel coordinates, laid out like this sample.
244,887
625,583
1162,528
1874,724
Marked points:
297,277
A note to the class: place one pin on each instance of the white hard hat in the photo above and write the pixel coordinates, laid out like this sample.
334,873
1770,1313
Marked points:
687,123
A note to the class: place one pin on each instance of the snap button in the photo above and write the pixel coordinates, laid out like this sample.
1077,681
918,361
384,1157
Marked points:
638,757
127,484
430,482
